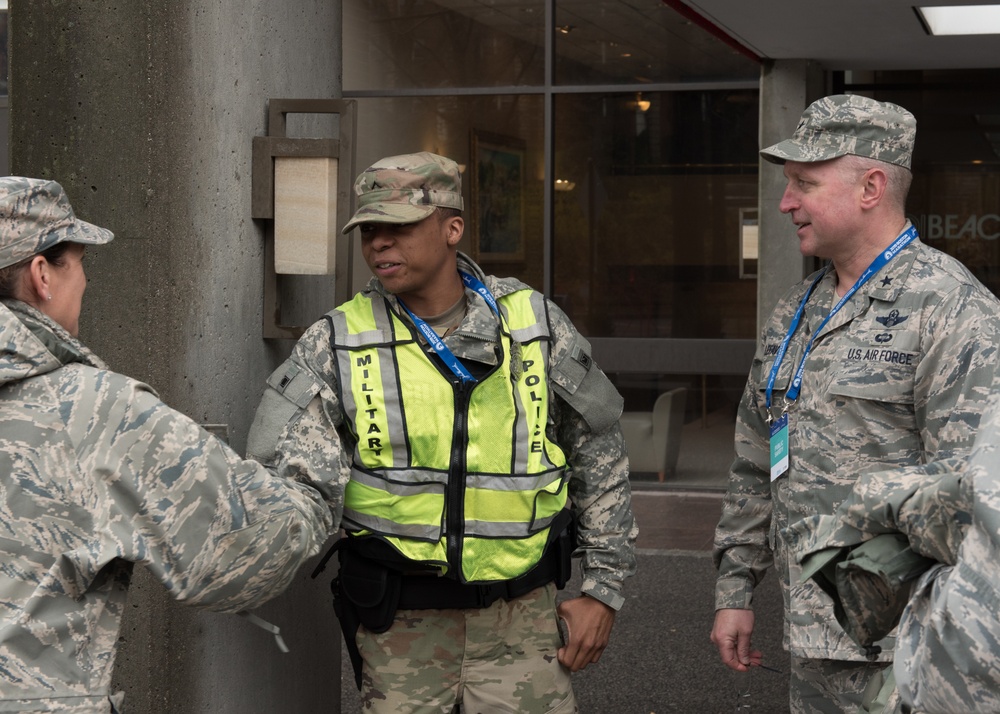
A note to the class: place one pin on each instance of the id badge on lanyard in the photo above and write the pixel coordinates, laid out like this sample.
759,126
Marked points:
779,446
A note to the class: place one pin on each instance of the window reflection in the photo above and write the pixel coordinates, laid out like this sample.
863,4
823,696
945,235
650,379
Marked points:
390,44
648,242
404,45
626,42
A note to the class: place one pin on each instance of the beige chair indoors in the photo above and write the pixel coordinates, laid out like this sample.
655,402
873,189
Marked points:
653,439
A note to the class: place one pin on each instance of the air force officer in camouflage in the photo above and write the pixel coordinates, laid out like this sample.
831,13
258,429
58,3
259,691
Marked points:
884,358
97,474
472,427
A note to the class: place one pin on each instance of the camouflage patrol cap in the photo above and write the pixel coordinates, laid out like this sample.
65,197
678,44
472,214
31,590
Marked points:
35,215
406,189
849,124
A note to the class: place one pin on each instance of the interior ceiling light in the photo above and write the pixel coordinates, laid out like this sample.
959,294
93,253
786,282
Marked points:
960,19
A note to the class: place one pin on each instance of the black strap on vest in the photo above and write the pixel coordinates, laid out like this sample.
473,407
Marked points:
373,583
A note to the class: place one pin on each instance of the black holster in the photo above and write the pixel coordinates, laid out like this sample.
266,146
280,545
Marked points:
365,592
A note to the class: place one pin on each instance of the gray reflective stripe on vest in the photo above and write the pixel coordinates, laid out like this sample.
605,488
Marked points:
529,482
482,529
524,335
539,329
404,482
411,482
338,326
389,376
522,442
391,391
361,338
495,529
369,522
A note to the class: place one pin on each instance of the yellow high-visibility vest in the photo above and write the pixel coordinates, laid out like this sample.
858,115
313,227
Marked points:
457,476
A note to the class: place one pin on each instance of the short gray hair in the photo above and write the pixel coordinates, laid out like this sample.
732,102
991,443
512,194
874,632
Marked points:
897,178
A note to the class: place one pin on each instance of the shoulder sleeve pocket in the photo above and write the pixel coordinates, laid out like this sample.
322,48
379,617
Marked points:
582,385
290,389
296,384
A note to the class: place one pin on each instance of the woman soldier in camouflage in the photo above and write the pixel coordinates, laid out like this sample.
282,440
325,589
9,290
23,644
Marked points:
96,473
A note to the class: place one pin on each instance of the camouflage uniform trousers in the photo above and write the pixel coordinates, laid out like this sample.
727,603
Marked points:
500,658
826,686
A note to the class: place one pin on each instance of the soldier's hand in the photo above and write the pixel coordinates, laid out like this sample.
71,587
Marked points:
589,623
731,634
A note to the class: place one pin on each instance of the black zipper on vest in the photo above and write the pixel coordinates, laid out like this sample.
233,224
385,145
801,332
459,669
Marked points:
455,497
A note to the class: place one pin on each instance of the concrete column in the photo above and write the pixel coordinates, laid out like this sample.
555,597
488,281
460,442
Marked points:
786,88
145,113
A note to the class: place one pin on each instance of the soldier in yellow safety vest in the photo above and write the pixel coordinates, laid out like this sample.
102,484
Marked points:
478,446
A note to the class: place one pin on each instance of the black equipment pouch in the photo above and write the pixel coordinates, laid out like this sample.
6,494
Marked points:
371,587
564,545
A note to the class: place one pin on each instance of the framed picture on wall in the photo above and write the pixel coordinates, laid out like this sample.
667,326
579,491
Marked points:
497,197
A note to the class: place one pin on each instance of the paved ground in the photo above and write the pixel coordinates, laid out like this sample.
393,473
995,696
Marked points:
660,659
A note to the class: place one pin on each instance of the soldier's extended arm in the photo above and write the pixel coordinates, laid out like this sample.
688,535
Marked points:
294,432
217,531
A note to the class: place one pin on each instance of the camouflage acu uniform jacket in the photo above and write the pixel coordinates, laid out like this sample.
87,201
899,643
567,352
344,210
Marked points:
900,376
299,426
96,473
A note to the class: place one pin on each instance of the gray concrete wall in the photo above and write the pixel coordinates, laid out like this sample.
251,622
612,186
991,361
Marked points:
786,88
145,113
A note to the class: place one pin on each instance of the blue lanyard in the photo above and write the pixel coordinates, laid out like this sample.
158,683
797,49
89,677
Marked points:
880,262
446,355
476,284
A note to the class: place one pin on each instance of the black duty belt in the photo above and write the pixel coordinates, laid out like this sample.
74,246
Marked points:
429,592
